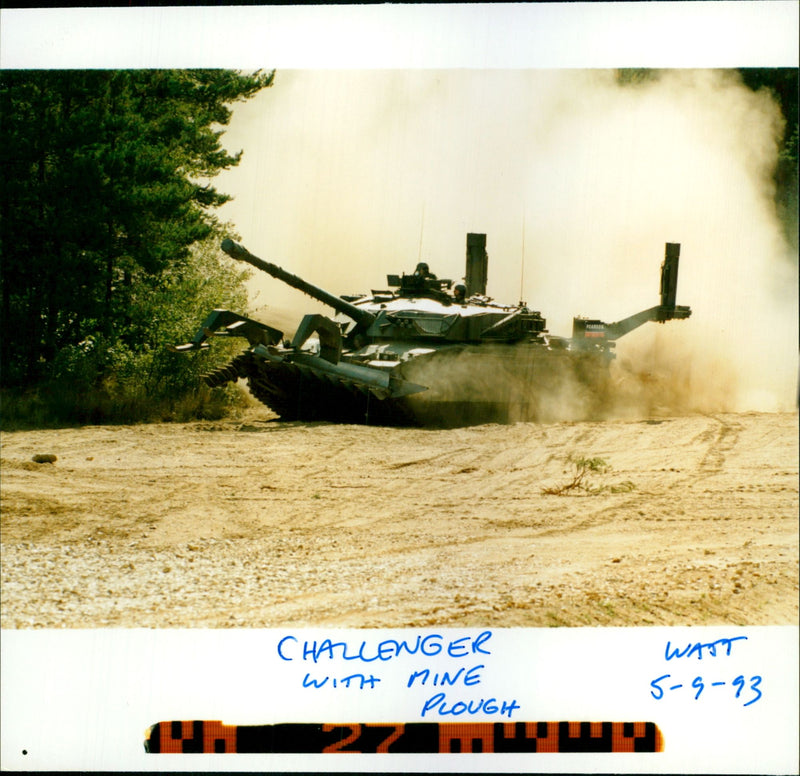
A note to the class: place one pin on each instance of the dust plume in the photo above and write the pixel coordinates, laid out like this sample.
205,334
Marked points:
578,181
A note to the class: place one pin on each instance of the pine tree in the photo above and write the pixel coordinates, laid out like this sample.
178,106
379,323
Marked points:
105,189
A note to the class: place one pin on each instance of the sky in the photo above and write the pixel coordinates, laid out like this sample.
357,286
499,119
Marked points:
578,182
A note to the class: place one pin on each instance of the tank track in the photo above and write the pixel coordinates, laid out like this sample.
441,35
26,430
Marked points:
296,392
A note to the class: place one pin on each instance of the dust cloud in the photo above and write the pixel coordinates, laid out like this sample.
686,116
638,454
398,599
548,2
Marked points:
577,180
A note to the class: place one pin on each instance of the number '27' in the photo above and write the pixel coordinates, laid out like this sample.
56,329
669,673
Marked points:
699,685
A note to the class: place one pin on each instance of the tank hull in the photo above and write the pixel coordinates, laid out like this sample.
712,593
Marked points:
466,385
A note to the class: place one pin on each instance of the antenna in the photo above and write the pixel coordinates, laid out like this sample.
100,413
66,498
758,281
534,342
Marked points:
421,230
522,263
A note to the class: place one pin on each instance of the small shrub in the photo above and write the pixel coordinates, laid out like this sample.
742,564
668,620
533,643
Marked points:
581,468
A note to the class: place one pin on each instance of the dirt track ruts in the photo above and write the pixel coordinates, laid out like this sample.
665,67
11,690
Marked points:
261,523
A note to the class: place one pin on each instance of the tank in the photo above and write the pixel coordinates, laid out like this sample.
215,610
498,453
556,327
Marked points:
424,350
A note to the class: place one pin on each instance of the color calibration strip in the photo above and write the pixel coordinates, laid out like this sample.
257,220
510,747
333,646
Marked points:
210,737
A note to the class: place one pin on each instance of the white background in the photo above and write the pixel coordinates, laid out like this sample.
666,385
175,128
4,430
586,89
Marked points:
84,699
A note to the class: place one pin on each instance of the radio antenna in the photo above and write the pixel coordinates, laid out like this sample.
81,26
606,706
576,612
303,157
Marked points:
421,230
522,263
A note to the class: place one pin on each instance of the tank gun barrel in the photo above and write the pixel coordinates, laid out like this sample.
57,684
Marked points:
240,253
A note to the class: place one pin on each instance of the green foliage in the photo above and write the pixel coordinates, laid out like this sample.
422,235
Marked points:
136,377
782,83
580,470
635,76
107,234
54,406
626,486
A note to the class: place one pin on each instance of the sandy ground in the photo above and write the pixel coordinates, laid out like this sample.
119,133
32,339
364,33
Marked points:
261,523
